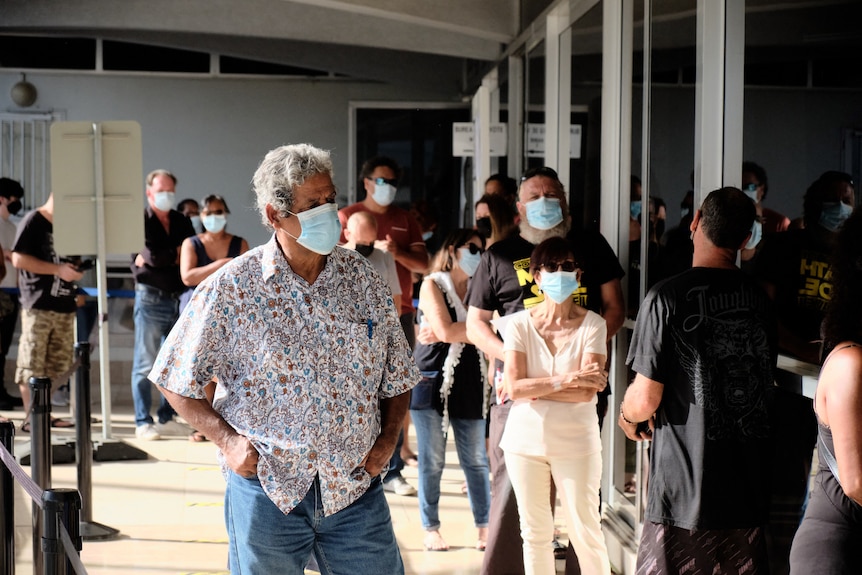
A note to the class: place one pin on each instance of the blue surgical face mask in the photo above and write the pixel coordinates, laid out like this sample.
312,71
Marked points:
684,212
196,224
751,191
384,194
164,201
635,209
544,213
214,223
559,285
469,262
756,234
426,236
320,228
833,214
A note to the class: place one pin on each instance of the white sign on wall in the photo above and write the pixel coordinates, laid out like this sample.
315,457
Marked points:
463,144
536,141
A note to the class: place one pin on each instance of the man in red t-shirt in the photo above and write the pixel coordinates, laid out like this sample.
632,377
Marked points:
398,233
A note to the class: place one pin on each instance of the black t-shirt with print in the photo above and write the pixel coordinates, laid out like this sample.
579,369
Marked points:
35,237
708,336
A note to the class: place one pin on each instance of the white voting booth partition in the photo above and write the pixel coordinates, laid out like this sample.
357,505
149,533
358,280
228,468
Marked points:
97,179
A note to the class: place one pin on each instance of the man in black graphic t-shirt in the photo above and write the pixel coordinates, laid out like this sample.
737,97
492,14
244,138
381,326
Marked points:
704,350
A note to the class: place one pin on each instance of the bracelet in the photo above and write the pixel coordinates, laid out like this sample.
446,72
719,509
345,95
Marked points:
623,416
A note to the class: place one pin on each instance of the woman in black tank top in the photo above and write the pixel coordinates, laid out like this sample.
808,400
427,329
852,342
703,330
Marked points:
829,540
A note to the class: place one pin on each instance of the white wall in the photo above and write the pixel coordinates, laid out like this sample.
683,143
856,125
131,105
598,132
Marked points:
213,132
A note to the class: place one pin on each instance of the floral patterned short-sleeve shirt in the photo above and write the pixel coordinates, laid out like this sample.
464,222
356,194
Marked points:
302,368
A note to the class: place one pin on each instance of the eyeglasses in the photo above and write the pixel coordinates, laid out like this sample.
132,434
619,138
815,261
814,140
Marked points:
381,181
543,171
474,249
566,266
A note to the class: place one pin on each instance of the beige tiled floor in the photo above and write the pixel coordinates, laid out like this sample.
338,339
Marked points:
168,510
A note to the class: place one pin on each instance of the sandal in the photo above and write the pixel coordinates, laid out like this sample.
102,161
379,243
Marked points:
55,422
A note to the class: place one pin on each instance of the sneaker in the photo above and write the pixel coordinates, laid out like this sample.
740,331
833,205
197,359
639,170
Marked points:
173,428
147,432
399,486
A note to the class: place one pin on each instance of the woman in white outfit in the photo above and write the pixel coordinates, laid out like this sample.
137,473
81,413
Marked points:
554,358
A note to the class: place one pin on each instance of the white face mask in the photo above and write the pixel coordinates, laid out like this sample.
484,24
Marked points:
164,201
384,194
214,223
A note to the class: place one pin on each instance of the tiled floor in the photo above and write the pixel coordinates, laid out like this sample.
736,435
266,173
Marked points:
169,507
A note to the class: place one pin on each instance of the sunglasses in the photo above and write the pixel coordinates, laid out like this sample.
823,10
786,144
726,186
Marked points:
381,181
566,266
474,249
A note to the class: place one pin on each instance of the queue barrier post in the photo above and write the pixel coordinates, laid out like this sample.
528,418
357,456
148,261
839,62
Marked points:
60,507
40,454
7,501
90,530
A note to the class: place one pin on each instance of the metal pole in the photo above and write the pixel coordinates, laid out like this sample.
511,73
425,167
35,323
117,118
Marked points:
7,498
40,454
90,530
102,282
60,506
83,440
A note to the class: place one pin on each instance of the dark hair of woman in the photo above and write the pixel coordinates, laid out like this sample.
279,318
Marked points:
551,251
843,321
502,215
442,261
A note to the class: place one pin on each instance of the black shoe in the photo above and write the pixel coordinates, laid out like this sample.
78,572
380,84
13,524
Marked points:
559,549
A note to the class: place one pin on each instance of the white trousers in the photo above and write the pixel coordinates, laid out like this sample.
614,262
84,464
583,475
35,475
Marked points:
578,479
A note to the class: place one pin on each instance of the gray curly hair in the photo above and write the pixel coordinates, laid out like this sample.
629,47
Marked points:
282,170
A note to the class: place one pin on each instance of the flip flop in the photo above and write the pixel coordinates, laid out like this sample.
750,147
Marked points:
439,544
62,423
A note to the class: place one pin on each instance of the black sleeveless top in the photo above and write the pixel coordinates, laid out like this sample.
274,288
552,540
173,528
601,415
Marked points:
466,397
204,259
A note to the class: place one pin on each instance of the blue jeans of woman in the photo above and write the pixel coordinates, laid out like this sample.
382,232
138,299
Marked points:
470,445
359,539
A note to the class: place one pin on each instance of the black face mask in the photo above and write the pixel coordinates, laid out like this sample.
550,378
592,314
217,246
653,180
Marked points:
365,249
14,207
483,226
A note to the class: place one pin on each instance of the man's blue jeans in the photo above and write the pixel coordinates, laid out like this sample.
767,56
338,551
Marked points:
155,314
358,540
470,444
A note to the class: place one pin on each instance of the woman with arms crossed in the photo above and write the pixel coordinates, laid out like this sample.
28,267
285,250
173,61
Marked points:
554,366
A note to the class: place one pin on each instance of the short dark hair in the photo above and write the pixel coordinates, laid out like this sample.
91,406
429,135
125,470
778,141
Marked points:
182,205
371,164
819,192
510,186
727,216
759,173
552,250
843,319
9,188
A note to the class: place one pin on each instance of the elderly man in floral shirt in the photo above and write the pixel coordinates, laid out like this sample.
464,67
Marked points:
313,373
